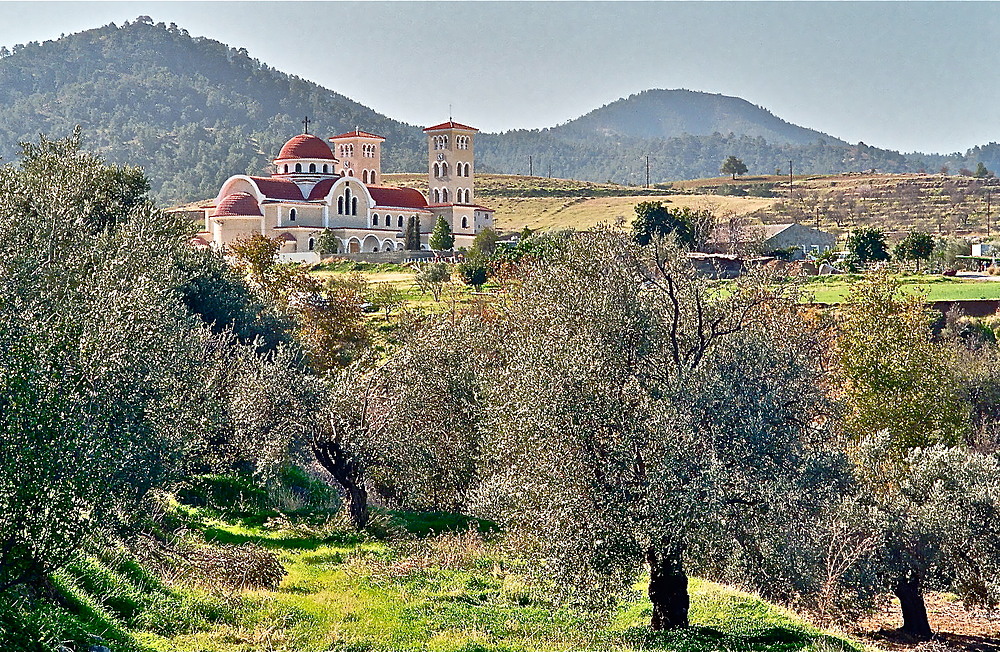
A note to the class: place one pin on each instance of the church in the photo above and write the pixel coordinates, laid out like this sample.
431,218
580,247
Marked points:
315,186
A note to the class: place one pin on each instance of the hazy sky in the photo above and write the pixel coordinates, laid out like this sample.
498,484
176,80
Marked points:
908,75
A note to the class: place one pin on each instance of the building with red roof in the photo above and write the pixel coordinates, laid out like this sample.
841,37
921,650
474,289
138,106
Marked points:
316,187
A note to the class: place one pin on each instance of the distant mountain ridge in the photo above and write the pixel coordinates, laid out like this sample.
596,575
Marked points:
193,111
661,113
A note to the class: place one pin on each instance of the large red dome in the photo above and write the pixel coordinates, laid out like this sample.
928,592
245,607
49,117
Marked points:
236,205
306,146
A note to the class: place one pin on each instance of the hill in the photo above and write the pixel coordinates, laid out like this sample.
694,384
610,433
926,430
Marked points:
672,113
192,111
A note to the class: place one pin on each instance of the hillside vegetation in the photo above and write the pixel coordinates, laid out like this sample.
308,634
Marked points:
191,111
671,113
558,447
896,203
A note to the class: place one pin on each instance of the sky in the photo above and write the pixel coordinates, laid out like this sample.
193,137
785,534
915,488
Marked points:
910,76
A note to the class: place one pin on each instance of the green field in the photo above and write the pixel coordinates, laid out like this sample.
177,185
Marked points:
833,289
454,592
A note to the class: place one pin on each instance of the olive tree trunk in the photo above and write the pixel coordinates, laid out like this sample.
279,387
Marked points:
347,471
668,584
911,603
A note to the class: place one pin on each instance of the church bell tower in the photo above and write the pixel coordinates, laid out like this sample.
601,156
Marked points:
450,163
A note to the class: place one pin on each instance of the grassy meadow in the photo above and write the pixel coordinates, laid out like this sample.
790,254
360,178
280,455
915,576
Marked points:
833,289
427,582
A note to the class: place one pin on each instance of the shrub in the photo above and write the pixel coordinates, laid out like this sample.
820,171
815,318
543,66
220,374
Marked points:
242,567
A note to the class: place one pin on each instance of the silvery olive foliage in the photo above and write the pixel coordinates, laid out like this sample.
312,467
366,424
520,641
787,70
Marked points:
911,404
644,416
408,428
109,385
935,525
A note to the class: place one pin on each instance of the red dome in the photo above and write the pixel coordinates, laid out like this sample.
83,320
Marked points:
237,205
306,146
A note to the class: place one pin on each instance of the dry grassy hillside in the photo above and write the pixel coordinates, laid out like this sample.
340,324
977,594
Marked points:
896,203
543,203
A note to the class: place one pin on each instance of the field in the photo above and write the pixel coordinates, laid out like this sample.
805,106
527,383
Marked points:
833,289
820,289
540,203
410,582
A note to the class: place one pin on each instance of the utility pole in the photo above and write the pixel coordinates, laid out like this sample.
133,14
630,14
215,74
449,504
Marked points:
647,171
789,181
531,170
550,169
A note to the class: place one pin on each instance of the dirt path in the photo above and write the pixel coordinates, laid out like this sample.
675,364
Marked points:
958,628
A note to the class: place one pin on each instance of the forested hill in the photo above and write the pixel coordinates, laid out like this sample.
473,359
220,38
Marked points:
190,110
670,113
193,111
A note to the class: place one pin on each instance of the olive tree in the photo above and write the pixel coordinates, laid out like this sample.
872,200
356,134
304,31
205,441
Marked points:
938,524
647,418
111,382
934,503
407,428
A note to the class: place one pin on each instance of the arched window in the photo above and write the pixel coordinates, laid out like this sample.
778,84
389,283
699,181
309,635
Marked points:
298,167
437,196
340,205
286,168
354,205
444,169
371,177
326,168
400,222
444,195
347,197
312,244
468,196
291,215
465,222
437,170
364,176
468,169
312,167
350,173
374,220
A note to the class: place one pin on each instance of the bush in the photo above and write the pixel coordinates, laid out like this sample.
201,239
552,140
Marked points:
727,190
238,568
762,190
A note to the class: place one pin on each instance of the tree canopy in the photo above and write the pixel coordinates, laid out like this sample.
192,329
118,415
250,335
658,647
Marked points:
733,166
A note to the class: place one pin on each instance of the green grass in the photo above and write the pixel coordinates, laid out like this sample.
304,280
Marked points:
375,596
833,289
411,582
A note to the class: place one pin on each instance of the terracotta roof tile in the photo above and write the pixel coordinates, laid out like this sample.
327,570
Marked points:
450,125
237,204
321,189
397,197
306,146
274,188
357,134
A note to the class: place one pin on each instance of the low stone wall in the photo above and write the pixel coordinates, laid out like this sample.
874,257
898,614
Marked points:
383,257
